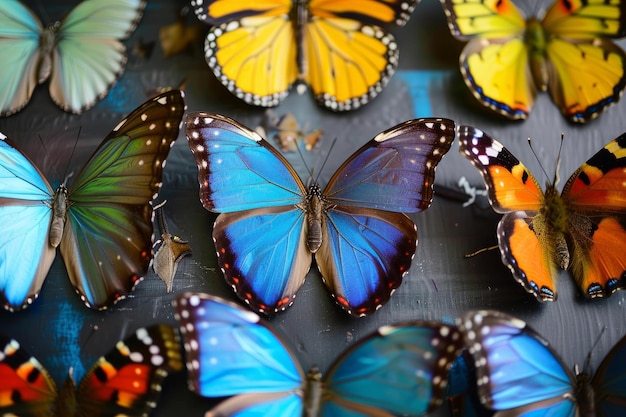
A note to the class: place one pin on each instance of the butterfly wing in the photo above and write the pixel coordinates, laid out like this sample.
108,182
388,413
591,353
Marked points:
588,71
107,241
517,370
608,382
127,381
251,48
25,210
369,243
399,370
26,388
514,191
259,235
494,63
230,351
88,57
598,223
348,55
20,30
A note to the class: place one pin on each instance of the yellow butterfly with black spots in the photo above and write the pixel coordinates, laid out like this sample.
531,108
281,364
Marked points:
568,53
583,228
339,48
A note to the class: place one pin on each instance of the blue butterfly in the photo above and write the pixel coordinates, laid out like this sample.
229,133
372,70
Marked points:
81,55
519,374
271,224
399,370
102,223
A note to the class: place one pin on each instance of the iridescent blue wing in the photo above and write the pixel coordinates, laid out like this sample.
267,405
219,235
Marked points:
259,237
400,370
25,254
107,240
609,382
231,352
20,31
516,369
369,242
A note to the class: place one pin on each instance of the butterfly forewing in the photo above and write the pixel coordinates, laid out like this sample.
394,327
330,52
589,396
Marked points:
107,243
230,351
26,388
515,366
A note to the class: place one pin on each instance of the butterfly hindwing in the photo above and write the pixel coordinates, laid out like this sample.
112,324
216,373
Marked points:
515,366
608,381
112,197
127,381
340,49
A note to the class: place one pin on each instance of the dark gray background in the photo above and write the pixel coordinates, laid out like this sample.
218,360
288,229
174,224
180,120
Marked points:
441,284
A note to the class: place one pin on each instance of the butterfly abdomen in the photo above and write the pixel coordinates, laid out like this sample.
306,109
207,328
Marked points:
314,212
556,215
59,210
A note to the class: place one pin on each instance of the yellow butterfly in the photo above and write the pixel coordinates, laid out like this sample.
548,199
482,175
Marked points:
568,52
258,50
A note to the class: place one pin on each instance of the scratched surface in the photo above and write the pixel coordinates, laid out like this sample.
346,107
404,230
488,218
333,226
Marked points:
441,284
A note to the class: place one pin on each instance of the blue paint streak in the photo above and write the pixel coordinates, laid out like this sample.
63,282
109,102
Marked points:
64,340
422,85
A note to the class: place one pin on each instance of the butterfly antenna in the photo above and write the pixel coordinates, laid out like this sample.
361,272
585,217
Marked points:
586,367
67,175
332,145
530,144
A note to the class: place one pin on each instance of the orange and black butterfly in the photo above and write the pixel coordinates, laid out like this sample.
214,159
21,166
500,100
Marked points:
583,228
339,48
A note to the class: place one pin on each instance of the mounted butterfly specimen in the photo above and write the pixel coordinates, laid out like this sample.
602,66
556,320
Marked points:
340,49
126,381
583,228
81,55
398,370
271,224
102,223
568,52
520,375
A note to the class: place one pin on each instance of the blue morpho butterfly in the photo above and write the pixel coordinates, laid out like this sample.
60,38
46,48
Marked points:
230,351
518,374
102,223
81,55
271,224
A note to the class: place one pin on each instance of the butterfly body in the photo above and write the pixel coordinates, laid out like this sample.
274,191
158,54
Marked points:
583,228
339,49
519,374
567,52
126,381
271,224
102,223
81,55
231,351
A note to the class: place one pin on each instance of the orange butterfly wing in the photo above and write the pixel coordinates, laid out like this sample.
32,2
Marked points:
596,193
513,191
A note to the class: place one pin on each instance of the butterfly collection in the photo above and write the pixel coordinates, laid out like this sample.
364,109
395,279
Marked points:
358,231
